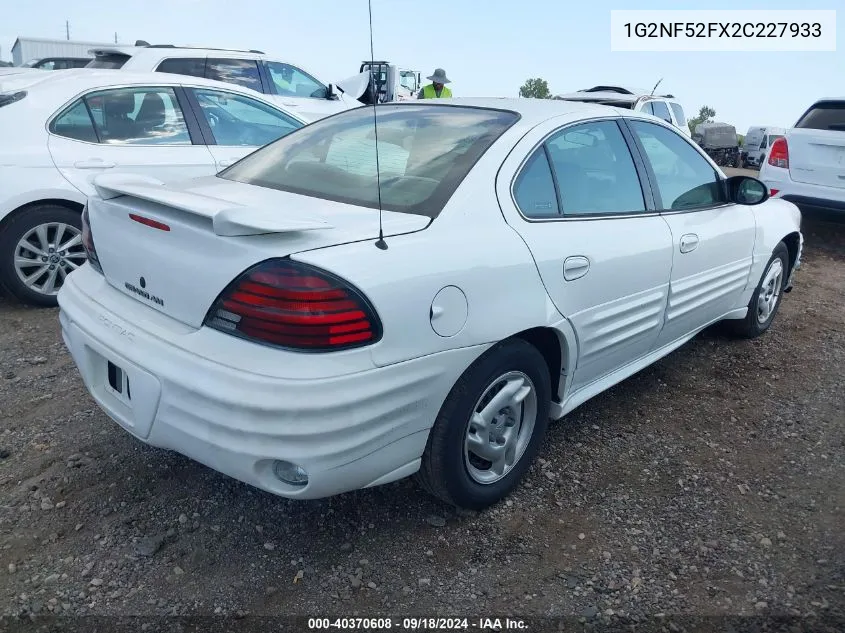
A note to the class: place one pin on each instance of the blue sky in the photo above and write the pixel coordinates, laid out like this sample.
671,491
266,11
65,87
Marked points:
488,47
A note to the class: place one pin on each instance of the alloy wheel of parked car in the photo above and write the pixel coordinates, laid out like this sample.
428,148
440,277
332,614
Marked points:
500,427
40,248
489,428
766,299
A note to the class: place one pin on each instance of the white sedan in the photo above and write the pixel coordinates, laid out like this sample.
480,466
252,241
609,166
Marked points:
533,254
60,128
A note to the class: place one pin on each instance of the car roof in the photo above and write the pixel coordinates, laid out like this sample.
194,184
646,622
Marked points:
76,79
531,111
66,84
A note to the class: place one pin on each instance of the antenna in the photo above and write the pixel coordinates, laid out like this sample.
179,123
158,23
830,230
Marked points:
380,243
655,87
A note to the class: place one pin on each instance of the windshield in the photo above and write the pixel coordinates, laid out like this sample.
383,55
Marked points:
424,152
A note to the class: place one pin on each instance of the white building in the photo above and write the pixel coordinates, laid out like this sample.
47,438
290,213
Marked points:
29,48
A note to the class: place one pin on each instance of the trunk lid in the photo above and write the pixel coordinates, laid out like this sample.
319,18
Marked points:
176,247
817,145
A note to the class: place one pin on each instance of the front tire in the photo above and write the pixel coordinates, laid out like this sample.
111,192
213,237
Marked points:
490,427
39,247
767,296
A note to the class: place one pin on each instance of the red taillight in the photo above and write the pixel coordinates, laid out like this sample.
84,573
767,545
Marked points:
88,242
779,154
773,192
295,306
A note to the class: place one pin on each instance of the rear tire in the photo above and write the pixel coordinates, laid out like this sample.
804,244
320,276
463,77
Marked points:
767,296
478,450
29,236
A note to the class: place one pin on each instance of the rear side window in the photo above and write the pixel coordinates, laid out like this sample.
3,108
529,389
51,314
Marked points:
243,72
661,110
111,61
424,153
186,66
134,116
534,191
75,123
594,170
829,115
647,108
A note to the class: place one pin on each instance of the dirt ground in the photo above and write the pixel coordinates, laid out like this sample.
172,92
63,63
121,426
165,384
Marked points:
709,484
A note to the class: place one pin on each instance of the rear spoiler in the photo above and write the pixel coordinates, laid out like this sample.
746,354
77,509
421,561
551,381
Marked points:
226,220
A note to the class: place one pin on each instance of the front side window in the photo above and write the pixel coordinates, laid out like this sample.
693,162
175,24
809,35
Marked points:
594,170
243,72
238,120
424,153
75,123
679,113
661,110
138,116
408,79
685,180
290,81
193,67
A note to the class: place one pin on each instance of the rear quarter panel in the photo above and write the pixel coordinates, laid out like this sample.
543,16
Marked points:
27,172
468,246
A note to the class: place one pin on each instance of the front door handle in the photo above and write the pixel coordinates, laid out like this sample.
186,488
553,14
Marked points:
689,242
575,267
227,161
93,163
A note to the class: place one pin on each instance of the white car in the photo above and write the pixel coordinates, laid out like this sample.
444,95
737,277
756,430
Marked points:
532,254
664,107
61,128
287,83
756,144
807,165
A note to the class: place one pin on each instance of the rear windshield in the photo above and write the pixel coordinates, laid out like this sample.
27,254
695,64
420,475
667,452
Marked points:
829,115
112,61
424,152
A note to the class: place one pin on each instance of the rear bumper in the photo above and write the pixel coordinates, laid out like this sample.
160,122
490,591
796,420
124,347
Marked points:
348,432
804,195
820,204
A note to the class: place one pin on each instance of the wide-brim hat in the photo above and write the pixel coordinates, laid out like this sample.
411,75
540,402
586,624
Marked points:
439,77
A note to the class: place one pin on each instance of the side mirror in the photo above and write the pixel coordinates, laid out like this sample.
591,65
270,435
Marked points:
746,190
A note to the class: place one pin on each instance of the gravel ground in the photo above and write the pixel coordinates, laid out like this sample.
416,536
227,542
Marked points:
709,484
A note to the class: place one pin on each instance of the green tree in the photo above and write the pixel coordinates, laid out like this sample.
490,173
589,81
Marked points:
705,115
535,88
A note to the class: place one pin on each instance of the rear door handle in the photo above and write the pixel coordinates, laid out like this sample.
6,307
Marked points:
226,162
689,242
93,163
575,267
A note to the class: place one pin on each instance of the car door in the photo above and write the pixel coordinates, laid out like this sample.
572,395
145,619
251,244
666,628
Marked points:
140,129
301,93
602,251
713,240
235,125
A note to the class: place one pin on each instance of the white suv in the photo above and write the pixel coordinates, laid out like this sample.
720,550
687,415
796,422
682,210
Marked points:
662,106
288,84
807,165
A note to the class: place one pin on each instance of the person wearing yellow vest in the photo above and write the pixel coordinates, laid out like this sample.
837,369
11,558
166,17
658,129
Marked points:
437,88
